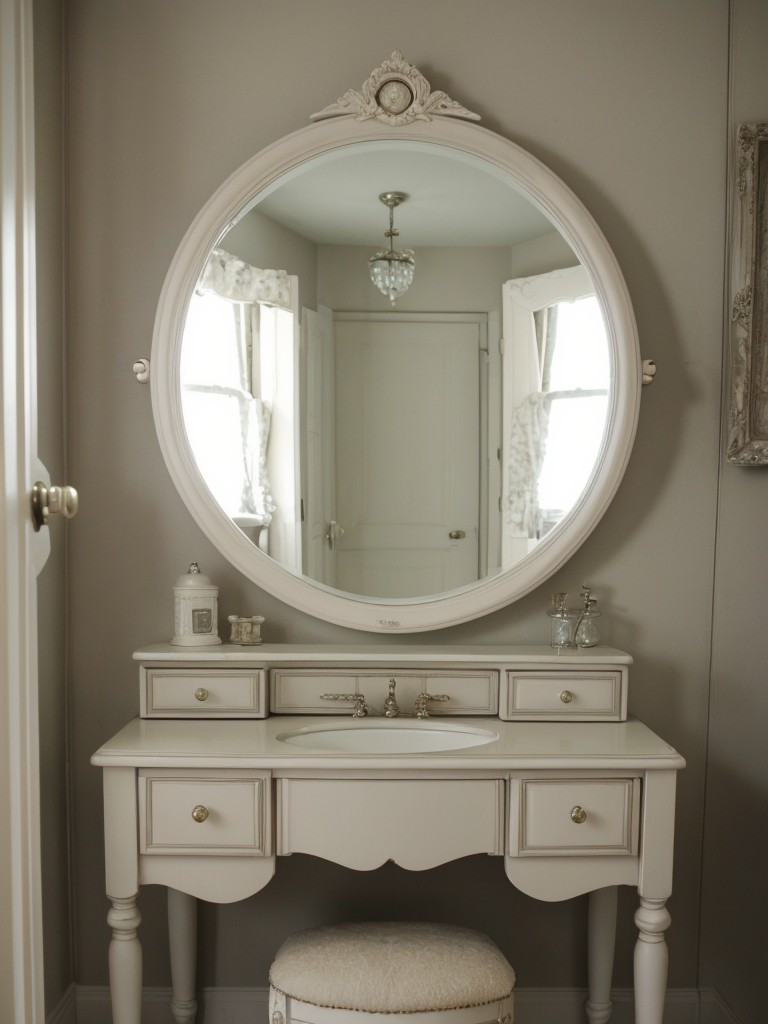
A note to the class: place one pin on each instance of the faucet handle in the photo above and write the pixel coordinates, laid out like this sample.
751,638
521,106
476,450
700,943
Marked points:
358,699
424,698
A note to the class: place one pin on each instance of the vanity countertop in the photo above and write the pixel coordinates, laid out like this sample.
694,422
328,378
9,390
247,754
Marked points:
317,654
256,744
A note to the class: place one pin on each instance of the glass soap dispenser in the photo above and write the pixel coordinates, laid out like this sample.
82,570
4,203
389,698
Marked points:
587,629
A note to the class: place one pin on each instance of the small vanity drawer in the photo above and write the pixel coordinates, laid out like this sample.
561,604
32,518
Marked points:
297,690
563,817
200,693
567,696
221,812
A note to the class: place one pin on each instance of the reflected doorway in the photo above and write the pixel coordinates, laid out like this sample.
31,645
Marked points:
409,403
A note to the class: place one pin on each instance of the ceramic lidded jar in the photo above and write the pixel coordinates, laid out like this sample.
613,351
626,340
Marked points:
196,609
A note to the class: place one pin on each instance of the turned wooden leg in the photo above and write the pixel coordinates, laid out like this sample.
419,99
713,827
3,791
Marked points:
601,944
125,961
182,934
651,957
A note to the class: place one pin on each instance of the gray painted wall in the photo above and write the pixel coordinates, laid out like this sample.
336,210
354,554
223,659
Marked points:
733,950
628,104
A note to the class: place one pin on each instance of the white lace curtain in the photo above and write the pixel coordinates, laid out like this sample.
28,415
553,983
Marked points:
256,497
232,278
527,448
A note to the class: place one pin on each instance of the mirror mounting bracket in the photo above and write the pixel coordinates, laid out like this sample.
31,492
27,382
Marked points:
141,370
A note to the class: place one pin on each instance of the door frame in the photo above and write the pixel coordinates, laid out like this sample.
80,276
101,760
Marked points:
22,552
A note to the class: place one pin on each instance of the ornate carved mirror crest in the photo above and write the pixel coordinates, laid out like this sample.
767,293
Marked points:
396,93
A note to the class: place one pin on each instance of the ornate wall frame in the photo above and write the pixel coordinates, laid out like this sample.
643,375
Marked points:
748,412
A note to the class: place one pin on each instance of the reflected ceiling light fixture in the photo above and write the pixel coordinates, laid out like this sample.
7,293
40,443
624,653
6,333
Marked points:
392,269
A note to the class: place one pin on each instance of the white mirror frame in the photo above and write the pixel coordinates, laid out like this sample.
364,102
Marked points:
591,248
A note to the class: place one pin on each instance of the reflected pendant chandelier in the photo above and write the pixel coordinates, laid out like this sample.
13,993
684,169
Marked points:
392,269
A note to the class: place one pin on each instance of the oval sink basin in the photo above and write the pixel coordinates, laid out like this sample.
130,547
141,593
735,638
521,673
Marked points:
385,737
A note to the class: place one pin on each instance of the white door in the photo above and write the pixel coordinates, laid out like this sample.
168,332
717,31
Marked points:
408,454
22,551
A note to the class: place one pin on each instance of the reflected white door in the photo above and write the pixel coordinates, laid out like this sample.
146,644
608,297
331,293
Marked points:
320,428
408,454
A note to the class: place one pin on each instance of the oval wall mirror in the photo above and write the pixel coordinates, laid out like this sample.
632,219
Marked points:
395,370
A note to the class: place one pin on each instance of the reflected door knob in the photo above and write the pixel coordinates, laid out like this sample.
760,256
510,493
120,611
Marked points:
334,533
47,500
457,535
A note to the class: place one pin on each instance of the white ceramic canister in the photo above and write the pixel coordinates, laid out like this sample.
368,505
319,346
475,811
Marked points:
196,609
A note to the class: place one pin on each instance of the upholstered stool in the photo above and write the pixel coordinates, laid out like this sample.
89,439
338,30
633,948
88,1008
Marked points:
345,973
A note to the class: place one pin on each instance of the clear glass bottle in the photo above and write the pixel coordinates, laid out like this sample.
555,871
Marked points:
560,622
587,629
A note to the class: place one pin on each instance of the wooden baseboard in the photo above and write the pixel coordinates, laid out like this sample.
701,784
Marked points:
532,1006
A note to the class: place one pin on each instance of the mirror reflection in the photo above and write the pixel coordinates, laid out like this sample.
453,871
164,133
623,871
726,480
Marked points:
395,449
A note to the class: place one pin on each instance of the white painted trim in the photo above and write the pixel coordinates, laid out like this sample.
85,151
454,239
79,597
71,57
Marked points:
22,553
66,1011
714,1009
532,1006
503,159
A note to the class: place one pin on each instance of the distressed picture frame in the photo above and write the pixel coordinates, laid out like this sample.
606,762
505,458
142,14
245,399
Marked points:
748,409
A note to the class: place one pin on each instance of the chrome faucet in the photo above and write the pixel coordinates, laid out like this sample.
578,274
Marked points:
420,706
391,709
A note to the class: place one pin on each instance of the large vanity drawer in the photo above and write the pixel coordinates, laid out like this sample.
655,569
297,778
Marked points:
298,690
200,693
575,696
567,816
416,822
215,811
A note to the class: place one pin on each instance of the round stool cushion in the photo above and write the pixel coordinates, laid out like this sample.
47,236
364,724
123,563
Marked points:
392,967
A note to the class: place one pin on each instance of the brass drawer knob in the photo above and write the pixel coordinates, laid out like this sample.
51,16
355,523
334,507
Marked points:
578,814
199,813
201,694
566,696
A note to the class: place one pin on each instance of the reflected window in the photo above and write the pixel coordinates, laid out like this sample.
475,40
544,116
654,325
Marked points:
556,385
575,379
226,369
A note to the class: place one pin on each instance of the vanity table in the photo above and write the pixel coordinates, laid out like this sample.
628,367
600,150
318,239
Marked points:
244,755
239,760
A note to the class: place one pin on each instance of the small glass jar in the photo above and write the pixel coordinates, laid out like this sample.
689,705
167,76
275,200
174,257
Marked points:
560,620
587,630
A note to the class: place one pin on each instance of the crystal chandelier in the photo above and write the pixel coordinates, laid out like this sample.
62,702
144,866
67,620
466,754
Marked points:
392,269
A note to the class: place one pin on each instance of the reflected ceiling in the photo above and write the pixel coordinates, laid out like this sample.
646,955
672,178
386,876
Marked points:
450,200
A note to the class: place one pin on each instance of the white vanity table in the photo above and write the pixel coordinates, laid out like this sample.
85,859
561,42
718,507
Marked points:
206,791
238,759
